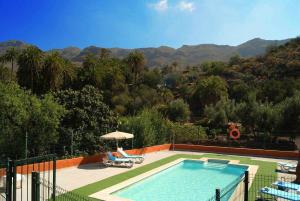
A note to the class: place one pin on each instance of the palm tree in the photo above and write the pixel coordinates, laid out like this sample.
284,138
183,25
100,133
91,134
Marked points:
136,61
105,53
53,71
30,63
69,72
174,66
11,56
4,72
90,64
56,71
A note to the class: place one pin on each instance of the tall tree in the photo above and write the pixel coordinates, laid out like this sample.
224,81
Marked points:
105,53
22,112
4,73
56,71
209,91
11,56
178,111
88,74
174,66
30,64
136,61
87,117
52,71
69,73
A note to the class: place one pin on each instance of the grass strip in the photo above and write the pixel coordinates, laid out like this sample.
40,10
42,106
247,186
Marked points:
265,168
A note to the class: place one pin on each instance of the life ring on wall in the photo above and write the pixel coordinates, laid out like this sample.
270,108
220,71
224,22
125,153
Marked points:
235,134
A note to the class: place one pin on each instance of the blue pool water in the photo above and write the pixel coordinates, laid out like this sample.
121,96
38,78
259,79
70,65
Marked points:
188,180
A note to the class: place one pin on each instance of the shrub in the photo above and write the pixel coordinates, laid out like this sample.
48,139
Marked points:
149,128
178,110
186,133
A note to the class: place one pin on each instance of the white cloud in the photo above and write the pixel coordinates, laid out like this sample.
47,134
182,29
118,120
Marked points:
186,6
161,5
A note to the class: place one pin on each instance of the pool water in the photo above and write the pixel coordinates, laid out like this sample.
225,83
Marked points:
188,180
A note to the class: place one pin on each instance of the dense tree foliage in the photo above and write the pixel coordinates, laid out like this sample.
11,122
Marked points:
21,113
87,118
10,56
178,110
149,128
261,93
4,73
30,66
209,91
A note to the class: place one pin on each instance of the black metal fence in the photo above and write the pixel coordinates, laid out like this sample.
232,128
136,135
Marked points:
259,187
61,194
33,179
233,191
18,177
273,187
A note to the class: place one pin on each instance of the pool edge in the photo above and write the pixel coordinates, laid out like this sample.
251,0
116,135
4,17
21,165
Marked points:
106,194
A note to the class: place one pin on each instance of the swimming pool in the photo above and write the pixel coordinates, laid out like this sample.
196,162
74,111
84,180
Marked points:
188,180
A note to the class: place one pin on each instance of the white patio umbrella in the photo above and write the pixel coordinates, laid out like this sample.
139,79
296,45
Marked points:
117,135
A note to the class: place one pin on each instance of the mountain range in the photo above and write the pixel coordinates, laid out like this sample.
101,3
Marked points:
158,57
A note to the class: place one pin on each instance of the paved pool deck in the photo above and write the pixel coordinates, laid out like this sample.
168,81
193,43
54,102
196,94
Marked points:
76,177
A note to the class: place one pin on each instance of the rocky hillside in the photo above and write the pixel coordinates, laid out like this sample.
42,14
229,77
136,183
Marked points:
158,57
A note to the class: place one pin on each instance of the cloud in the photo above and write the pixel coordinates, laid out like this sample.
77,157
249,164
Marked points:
186,6
161,5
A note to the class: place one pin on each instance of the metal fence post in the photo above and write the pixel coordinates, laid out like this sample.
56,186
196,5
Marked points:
218,194
9,180
246,182
35,186
14,182
54,178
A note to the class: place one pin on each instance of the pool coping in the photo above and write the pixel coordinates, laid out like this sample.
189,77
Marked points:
106,194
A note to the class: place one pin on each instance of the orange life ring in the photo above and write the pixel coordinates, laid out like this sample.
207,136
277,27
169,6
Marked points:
235,134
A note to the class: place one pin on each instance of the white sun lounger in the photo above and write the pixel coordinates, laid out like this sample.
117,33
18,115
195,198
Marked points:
114,161
287,167
136,158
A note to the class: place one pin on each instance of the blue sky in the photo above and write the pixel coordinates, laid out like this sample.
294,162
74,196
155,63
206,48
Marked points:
146,23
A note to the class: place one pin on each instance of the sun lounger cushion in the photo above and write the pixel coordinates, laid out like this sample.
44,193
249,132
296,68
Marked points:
113,158
287,185
121,151
280,194
288,165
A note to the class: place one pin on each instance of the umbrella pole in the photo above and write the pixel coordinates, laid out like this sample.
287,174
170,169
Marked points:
117,144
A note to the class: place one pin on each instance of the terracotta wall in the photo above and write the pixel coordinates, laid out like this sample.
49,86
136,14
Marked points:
149,149
64,163
242,151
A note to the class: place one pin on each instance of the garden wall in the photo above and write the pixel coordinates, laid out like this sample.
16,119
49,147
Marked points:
64,163
239,151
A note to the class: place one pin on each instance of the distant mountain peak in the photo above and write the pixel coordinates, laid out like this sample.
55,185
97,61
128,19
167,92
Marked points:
12,43
164,55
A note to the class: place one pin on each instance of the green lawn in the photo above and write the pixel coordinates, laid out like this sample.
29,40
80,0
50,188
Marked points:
265,168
